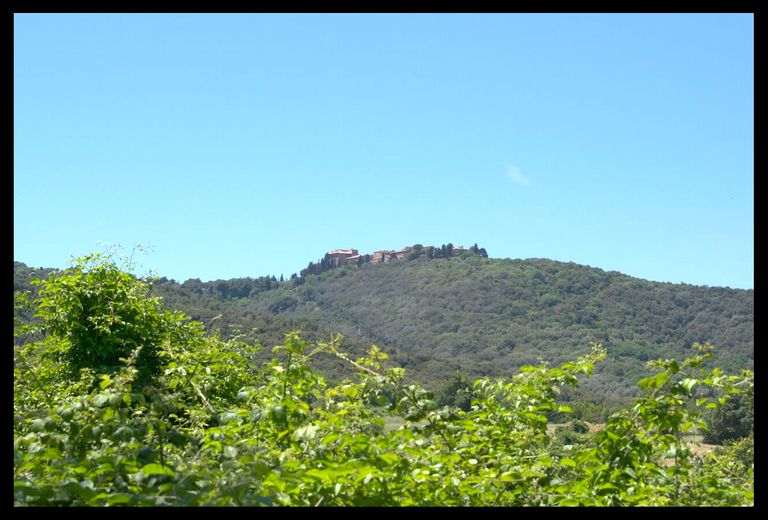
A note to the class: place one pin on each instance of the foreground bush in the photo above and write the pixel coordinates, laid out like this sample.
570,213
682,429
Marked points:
125,403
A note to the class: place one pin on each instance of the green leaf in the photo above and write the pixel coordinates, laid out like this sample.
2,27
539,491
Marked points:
389,458
365,472
656,381
157,469
81,489
51,454
306,432
37,425
278,414
227,417
229,452
631,473
274,480
330,438
118,498
322,476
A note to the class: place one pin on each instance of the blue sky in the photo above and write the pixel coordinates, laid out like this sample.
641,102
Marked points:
248,145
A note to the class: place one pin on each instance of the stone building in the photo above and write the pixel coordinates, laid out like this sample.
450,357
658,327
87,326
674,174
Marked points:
386,255
342,256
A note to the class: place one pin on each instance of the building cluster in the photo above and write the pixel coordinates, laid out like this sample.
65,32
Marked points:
344,256
341,257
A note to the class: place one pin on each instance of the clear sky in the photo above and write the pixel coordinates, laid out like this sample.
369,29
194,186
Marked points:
249,145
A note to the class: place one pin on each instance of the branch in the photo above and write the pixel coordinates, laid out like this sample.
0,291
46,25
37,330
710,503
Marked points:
205,401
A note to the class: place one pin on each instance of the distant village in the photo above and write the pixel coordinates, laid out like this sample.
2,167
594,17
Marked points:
342,257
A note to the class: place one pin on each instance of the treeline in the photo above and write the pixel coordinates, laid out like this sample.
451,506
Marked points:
325,264
250,287
229,289
444,251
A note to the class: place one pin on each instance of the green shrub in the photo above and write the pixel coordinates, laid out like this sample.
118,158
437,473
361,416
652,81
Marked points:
579,426
103,314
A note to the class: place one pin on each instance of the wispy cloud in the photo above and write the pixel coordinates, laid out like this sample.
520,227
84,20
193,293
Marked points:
513,172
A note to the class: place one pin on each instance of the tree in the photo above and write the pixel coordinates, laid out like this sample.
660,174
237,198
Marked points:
416,251
194,285
282,304
455,391
732,420
103,313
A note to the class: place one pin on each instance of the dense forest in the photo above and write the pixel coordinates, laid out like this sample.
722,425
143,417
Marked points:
119,399
494,315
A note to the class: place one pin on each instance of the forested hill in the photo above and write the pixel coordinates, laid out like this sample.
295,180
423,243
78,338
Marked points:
484,316
491,315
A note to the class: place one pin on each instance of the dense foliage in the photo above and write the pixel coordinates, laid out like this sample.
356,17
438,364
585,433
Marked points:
205,426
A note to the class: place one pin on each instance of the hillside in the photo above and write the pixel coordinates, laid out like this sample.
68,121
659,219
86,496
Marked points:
491,315
482,316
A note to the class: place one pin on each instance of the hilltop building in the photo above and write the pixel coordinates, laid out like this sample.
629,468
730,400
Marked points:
386,255
342,256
